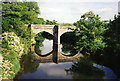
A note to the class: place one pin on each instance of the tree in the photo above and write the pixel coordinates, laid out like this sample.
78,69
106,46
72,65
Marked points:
51,22
112,51
39,21
15,14
90,30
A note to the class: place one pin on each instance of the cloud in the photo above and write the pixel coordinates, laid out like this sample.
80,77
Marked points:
105,9
69,11
54,1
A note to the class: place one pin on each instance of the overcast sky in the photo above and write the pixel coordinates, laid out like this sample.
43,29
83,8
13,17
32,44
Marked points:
69,11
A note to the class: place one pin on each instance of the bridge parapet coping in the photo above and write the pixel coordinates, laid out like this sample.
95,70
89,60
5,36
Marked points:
42,26
66,27
51,26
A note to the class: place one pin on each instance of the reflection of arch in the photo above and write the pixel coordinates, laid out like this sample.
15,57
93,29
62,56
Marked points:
69,54
45,54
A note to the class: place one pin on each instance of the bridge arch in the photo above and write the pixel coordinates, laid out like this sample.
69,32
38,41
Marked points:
57,34
50,32
50,28
64,29
40,28
61,32
46,35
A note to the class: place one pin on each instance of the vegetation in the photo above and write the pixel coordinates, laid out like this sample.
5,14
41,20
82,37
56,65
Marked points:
47,35
112,51
90,31
48,22
12,49
16,37
68,38
27,65
99,39
94,37
15,15
66,24
39,21
68,43
39,39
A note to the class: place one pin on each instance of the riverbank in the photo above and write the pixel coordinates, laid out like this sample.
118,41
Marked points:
12,51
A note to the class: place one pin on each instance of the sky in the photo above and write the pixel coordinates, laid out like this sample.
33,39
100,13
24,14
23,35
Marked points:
70,11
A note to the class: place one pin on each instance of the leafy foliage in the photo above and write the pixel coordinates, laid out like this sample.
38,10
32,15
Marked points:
12,49
17,37
39,21
66,24
51,22
112,51
90,30
39,39
6,69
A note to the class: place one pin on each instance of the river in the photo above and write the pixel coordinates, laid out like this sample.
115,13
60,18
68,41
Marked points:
34,70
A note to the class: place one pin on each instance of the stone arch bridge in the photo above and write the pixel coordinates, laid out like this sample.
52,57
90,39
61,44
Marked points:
50,29
56,31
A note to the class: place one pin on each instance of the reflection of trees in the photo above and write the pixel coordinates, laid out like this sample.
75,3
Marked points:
68,48
39,39
28,65
68,41
83,69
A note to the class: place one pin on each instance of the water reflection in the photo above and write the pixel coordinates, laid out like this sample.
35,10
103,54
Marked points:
66,70
83,69
47,46
67,49
109,74
27,65
49,71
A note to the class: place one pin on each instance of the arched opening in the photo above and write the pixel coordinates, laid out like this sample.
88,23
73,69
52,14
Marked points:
47,35
68,41
44,43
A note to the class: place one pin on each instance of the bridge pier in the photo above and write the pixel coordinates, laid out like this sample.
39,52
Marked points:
55,44
58,40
